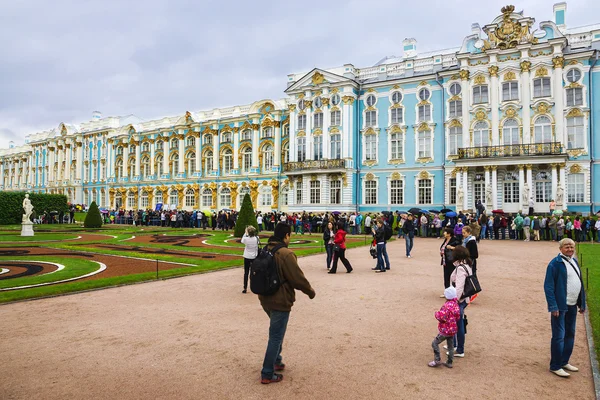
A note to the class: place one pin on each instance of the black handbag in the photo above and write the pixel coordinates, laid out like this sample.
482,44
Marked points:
336,248
472,285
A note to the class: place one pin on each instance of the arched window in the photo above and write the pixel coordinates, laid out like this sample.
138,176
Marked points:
209,161
173,198
510,132
267,132
267,158
336,118
191,162
481,134
424,141
370,147
174,143
543,187
118,169
131,201
247,134
225,198
284,196
120,151
543,130
455,140
244,190
118,201
227,137
159,165
144,200
159,145
158,197
335,191
175,164
208,139
246,159
145,167
265,196
286,152
191,141
190,199
575,133
145,146
227,161
207,198
131,167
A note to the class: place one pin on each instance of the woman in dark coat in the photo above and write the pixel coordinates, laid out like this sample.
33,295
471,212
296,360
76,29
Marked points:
450,242
328,236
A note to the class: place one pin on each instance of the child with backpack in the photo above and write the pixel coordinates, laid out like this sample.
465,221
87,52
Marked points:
447,316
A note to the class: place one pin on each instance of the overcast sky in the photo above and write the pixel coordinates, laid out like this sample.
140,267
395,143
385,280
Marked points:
61,60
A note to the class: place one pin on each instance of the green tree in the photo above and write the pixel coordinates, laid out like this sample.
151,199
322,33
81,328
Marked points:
246,217
11,209
93,219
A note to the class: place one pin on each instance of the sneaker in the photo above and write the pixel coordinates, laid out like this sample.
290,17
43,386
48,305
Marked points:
408,256
448,365
570,367
459,355
274,379
279,367
446,347
434,364
380,270
561,372
244,291
442,296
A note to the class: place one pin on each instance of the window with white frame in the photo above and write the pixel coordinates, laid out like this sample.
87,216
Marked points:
424,113
284,196
574,97
299,193
86,172
575,188
335,191
396,191
227,137
573,75
266,199
191,162
336,146
396,148
396,97
246,159
158,197
424,94
267,158
301,105
225,198
452,190
454,140
370,192
174,144
175,164
286,152
335,99
318,102
286,130
424,139
159,145
510,132
131,201
455,89
190,199
267,132
336,118
425,191
302,122
370,147
131,149
370,118
173,198
247,134
543,130
481,134
396,116
118,169
301,147
318,120
209,161
318,147
207,198
455,108
118,201
120,150
227,161
510,91
480,94
543,187
371,100
511,188
145,167
315,192
208,139
191,141
244,190
575,133
542,87
145,146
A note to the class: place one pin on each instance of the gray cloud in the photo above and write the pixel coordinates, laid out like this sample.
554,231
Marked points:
64,59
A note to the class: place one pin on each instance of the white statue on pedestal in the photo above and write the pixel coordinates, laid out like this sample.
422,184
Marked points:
459,198
526,193
488,195
560,195
26,224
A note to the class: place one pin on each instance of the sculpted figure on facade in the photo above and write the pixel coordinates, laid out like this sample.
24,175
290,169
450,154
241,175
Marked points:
488,194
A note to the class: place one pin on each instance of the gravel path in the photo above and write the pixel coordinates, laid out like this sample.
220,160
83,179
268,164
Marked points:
365,336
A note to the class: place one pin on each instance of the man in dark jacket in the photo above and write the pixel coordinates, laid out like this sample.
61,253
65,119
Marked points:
409,234
279,305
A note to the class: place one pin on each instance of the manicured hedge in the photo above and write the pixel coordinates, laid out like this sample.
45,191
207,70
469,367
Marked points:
11,205
246,217
93,219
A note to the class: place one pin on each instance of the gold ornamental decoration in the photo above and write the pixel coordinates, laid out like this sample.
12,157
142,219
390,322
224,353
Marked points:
509,76
318,78
275,190
525,66
233,188
464,74
541,71
493,70
253,191
509,32
213,187
558,62
480,115
575,169
479,80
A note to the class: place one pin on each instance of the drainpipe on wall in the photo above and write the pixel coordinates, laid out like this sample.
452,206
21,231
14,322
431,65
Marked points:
440,83
591,135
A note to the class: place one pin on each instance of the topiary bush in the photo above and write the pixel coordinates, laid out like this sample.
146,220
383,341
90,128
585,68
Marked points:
93,219
11,209
246,217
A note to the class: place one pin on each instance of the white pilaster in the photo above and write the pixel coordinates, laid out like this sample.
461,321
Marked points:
465,182
236,149
152,155
292,138
521,182
255,144
277,156
559,106
137,159
181,142
526,102
216,147
347,132
198,152
487,183
326,135
494,188
125,161
466,105
495,103
166,150
51,176
554,180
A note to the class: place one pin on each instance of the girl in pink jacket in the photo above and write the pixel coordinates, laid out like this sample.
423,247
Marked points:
447,328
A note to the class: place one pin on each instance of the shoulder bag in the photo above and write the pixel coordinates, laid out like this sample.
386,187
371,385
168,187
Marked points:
472,285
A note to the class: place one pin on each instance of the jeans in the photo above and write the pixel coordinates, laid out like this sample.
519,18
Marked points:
483,232
409,238
381,256
553,232
277,327
329,249
436,347
459,338
563,337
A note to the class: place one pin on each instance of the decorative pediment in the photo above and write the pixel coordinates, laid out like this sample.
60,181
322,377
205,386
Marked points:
315,78
508,30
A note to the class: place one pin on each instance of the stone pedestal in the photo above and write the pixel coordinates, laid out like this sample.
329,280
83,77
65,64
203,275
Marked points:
27,229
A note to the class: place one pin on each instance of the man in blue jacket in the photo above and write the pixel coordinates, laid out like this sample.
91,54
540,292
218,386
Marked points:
564,294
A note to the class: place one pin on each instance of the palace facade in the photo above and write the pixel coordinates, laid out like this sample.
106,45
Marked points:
510,116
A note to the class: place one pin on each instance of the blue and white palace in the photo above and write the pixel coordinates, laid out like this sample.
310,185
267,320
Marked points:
510,116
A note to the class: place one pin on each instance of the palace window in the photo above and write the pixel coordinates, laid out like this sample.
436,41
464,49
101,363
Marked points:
315,192
425,113
119,151
286,130
574,97
511,188
510,132
267,158
510,91
335,99
480,94
301,105
118,201
396,97
145,146
454,140
452,190
336,118
424,94
481,134
131,201
371,192
190,199
208,139
158,197
118,169
191,141
542,87
227,161
159,165
175,164
159,145
225,198
371,100
266,199
424,139
370,147
455,89
336,146
543,130
573,75
247,134
246,159
267,132
284,196
191,167
227,137
286,152
299,193
244,190
425,191
370,118
575,133
396,115
301,148
318,102
131,150
173,198
302,122
209,161
543,187
396,191
145,167
144,200
396,150
335,192
317,120
455,108
206,198
575,188
174,144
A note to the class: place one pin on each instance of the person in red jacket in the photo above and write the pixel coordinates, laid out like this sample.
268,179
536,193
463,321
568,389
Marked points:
340,241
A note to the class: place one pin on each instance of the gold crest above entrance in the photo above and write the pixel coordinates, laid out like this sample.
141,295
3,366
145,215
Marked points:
510,31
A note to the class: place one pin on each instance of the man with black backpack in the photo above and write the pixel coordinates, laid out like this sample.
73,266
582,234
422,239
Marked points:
275,275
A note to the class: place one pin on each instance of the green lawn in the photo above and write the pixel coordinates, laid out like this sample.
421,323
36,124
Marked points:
39,237
589,254
73,267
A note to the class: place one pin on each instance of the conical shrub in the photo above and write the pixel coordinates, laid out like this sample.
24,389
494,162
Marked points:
246,217
93,219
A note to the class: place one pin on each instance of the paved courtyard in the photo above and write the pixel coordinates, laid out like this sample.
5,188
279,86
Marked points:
364,336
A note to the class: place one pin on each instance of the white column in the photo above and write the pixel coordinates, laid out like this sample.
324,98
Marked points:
559,105
487,183
166,145
309,136
466,104
563,182
255,144
69,161
236,149
521,182
216,148
51,176
198,153
125,161
466,188
495,102
326,136
554,180
137,158
346,131
494,188
529,178
526,101
277,157
292,137
61,157
181,152
110,159
152,155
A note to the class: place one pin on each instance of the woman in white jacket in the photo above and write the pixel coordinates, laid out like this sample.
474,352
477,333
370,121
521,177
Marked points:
252,243
463,269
